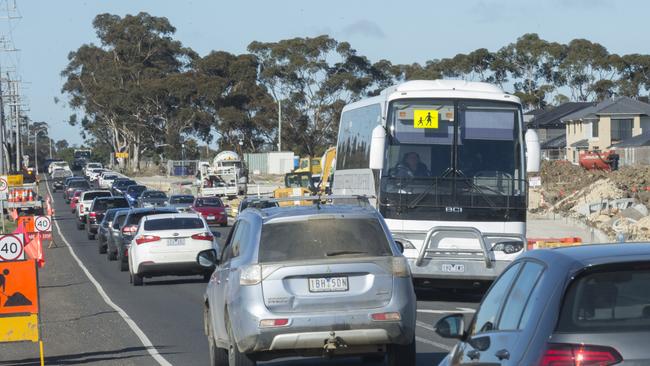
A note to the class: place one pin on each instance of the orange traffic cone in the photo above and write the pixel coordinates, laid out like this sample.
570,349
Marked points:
24,197
30,195
10,198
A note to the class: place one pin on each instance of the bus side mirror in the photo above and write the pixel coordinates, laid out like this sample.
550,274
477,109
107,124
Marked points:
533,152
377,144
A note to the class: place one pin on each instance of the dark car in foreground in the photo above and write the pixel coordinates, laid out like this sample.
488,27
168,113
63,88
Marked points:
582,305
129,228
98,209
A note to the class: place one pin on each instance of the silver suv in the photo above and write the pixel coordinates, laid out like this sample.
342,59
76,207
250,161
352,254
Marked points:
322,280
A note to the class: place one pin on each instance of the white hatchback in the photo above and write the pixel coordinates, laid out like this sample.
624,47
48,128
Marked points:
168,244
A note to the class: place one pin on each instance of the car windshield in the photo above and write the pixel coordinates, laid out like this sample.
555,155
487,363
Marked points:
611,299
322,237
181,199
154,194
136,190
89,196
104,204
173,223
124,183
209,202
110,177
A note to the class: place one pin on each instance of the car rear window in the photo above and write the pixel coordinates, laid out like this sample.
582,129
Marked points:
89,196
209,202
78,184
181,199
155,195
611,299
119,220
176,223
321,238
134,219
125,183
101,205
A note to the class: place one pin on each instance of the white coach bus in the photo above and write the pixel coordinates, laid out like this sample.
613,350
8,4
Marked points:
446,161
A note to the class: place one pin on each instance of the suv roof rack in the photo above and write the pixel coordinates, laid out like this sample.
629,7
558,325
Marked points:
362,200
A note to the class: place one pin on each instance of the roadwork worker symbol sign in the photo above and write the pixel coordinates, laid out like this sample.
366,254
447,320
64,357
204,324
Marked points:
18,288
425,118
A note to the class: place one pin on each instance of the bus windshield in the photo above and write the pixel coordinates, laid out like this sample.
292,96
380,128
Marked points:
453,151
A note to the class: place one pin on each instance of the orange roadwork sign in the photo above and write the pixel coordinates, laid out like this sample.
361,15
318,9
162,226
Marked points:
18,287
28,223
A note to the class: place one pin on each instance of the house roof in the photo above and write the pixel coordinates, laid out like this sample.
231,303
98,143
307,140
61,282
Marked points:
635,141
558,142
622,105
581,143
552,117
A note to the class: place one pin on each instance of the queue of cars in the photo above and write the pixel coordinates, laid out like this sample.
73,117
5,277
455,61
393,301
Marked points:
119,214
330,280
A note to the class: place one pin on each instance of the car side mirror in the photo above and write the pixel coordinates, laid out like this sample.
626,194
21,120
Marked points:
451,326
400,245
207,258
377,144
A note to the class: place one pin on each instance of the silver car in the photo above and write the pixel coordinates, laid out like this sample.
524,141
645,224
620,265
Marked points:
582,305
322,280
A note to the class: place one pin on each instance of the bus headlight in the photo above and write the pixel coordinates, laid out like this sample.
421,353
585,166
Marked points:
508,247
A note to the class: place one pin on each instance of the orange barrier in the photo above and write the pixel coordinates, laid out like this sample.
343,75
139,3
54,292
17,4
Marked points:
21,195
539,243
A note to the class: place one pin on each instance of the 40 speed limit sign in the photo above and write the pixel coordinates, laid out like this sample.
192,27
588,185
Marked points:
11,247
42,224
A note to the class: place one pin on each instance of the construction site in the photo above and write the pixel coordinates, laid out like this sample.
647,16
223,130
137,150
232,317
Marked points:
613,202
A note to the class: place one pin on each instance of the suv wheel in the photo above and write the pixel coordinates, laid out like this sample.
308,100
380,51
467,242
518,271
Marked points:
137,279
124,266
402,354
218,356
91,236
102,247
80,225
111,255
236,358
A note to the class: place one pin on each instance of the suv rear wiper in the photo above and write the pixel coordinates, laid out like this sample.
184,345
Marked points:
344,252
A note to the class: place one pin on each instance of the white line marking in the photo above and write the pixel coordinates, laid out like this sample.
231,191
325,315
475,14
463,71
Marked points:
134,327
432,343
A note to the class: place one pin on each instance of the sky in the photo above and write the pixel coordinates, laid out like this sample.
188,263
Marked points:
400,31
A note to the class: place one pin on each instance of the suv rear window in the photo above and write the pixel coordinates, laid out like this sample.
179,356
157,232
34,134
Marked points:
181,199
125,183
134,218
154,194
78,184
177,223
320,238
105,204
89,196
611,299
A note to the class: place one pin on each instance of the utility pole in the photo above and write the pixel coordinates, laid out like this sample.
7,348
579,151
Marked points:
279,125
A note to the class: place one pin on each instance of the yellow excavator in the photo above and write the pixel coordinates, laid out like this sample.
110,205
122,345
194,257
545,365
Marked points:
297,184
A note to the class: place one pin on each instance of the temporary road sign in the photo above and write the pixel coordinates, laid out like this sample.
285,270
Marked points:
123,155
15,180
12,248
43,223
18,287
19,328
4,186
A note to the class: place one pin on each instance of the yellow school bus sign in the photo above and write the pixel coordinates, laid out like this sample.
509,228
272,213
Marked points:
427,118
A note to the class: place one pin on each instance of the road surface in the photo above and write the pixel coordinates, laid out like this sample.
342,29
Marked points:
91,315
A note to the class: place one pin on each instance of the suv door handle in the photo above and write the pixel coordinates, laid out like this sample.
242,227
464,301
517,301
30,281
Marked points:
503,354
474,354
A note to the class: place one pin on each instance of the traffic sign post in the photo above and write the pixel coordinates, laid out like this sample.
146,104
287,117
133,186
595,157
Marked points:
12,247
4,190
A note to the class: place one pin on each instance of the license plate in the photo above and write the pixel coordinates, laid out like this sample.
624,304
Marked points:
453,268
328,284
211,217
175,242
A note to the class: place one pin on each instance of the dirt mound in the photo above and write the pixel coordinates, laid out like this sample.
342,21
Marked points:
561,179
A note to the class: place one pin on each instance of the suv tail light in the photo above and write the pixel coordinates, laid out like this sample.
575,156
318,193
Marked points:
272,323
558,354
129,229
203,236
146,239
386,317
250,275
